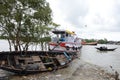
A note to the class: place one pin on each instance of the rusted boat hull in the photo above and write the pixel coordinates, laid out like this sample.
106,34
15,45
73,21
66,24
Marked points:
91,43
26,72
32,62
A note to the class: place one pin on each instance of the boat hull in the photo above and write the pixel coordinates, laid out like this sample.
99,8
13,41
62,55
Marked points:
65,46
106,49
91,43
32,62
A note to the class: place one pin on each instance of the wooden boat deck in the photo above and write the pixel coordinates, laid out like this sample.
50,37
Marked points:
33,62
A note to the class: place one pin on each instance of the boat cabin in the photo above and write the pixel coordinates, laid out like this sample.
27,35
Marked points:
63,36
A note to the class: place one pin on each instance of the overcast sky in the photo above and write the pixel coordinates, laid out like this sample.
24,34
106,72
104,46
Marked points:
96,19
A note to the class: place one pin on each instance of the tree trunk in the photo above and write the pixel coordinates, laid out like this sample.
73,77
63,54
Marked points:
36,47
42,46
26,47
9,45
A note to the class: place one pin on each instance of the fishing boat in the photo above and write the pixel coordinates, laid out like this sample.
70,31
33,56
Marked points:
65,41
32,62
105,48
89,43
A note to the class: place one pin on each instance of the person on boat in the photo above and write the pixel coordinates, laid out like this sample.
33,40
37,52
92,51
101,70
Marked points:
62,37
103,47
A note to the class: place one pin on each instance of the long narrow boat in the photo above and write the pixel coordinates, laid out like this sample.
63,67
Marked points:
31,62
90,43
105,49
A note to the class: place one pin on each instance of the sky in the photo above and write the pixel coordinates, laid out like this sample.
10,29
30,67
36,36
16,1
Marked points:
96,19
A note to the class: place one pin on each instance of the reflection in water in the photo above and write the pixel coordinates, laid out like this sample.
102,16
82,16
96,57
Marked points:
102,58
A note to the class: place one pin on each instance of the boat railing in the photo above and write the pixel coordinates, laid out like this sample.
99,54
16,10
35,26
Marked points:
66,39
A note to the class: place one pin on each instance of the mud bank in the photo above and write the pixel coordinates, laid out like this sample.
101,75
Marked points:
88,71
78,70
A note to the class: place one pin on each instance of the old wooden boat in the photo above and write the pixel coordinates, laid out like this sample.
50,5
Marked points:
105,49
32,62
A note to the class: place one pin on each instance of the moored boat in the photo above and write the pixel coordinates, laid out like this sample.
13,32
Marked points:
90,43
32,62
65,41
105,48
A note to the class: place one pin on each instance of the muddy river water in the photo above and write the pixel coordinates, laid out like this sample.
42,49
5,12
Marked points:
105,59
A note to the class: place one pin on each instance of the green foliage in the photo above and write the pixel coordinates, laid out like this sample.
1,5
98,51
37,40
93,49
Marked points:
25,21
102,41
45,39
89,40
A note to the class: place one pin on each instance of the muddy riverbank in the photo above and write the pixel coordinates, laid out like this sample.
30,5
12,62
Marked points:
76,71
88,71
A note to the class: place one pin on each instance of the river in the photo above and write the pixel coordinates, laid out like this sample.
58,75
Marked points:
89,54
103,59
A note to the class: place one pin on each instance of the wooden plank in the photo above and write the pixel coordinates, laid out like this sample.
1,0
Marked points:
39,61
16,60
36,58
61,59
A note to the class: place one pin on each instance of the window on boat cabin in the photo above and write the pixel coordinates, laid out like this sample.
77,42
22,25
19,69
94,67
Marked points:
62,38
